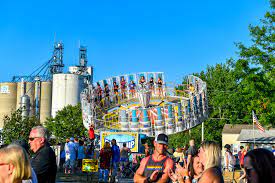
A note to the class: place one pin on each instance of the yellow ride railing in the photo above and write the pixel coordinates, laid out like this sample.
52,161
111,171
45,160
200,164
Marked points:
111,121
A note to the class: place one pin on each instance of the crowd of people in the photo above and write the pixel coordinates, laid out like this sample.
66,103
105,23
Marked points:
160,164
18,165
75,150
113,160
156,87
203,165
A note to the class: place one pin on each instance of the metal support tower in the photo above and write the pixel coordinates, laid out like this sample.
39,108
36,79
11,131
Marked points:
45,72
83,68
83,56
56,62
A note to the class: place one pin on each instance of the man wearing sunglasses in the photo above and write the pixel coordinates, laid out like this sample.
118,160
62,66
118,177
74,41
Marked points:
43,160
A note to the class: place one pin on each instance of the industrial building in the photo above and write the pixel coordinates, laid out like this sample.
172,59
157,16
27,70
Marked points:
10,98
43,95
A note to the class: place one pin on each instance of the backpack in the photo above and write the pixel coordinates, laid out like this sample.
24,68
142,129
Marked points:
232,159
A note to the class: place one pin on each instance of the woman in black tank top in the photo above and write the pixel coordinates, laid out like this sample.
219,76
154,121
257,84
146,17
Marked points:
159,87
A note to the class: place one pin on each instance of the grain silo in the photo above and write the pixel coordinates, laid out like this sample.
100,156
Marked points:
45,100
8,92
66,91
29,90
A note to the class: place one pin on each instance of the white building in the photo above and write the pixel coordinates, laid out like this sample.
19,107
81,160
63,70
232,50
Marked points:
240,134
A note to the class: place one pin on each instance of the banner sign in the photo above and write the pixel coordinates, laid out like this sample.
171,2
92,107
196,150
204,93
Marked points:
89,165
130,138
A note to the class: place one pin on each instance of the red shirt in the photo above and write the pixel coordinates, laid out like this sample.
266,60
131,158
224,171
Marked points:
242,157
91,133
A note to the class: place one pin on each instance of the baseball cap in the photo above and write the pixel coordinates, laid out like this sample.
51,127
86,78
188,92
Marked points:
162,139
227,146
71,139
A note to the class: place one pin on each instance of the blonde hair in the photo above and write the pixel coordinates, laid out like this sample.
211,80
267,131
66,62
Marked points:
212,153
17,156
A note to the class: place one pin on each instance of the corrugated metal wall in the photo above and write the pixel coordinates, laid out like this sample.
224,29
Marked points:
8,93
45,101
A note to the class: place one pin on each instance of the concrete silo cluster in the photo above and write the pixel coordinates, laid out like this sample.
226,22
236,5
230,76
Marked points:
14,95
43,96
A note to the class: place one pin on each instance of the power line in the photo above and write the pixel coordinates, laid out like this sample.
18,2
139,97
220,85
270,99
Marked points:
231,119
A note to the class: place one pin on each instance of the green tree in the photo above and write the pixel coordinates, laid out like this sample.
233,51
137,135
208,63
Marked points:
67,123
182,138
220,93
221,86
239,86
16,127
255,72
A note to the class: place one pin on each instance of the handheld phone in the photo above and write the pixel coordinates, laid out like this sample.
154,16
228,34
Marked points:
160,173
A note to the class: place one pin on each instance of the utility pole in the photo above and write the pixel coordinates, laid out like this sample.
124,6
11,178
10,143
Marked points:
202,131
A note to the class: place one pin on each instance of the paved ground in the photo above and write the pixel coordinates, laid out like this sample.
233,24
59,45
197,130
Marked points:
83,177
93,177
76,178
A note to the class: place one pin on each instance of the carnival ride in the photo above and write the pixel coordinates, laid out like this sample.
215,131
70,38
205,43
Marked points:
144,103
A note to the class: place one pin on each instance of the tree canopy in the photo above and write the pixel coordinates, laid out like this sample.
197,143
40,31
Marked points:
16,127
67,123
241,85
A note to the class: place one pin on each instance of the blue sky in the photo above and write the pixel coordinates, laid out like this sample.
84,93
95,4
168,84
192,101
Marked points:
177,37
